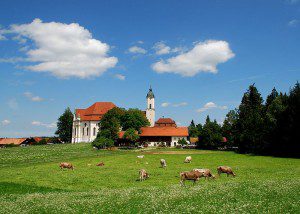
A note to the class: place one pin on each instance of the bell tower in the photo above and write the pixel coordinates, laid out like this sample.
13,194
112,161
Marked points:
150,111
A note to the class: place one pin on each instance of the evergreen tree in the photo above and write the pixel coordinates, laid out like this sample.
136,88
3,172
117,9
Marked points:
250,124
211,135
64,126
229,126
193,131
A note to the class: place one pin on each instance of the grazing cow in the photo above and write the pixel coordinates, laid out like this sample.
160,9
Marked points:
225,169
140,156
188,159
206,173
100,164
66,165
192,175
143,174
163,163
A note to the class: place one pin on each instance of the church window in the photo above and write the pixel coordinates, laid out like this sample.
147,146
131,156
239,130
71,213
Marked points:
85,125
82,131
75,131
150,106
87,131
94,131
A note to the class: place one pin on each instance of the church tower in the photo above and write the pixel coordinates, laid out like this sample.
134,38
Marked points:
150,111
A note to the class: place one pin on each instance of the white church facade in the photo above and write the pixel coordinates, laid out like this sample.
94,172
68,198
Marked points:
86,124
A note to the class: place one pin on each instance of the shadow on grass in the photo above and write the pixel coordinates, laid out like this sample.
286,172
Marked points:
15,188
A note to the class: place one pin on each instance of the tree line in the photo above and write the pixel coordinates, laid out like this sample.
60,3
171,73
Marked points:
257,127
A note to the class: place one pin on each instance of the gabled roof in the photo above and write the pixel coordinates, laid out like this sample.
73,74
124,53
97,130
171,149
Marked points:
15,141
164,131
95,111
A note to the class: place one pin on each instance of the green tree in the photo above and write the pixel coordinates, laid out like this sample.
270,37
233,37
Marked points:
131,135
229,126
64,126
135,119
111,123
250,124
211,135
102,143
193,130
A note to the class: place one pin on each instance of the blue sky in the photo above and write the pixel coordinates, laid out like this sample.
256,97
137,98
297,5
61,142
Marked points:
199,57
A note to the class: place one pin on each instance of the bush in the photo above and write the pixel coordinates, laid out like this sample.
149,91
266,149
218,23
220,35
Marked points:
182,142
102,143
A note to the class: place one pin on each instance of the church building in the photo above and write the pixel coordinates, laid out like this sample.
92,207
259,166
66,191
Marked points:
86,124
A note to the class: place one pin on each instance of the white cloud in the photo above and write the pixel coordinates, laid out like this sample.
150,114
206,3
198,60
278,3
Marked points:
64,50
203,57
136,49
165,104
32,97
140,42
180,104
293,23
161,48
211,105
120,76
47,125
5,122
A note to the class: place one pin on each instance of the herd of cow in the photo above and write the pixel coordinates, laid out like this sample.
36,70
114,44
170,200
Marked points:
193,175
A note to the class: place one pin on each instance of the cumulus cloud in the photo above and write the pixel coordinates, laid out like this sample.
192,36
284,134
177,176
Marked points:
211,105
165,104
203,57
64,50
47,125
120,76
5,122
161,48
293,23
137,50
32,97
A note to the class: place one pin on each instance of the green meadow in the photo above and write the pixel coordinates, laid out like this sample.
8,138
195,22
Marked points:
32,182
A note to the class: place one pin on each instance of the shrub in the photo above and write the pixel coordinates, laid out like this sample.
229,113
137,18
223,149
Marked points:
182,142
102,143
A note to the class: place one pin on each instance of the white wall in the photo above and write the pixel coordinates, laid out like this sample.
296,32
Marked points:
84,131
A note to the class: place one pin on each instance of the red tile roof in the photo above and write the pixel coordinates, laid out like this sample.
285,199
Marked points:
164,131
16,141
95,111
165,122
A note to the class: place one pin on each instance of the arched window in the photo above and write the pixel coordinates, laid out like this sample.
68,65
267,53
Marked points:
94,131
82,131
75,131
87,131
150,106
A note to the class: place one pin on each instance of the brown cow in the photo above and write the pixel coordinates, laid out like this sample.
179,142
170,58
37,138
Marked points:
225,169
192,175
100,164
143,174
206,173
66,165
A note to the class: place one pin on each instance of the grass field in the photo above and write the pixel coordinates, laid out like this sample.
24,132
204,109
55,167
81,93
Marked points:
32,182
